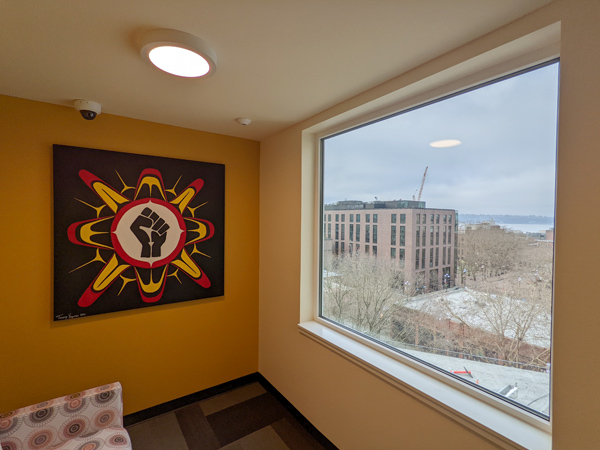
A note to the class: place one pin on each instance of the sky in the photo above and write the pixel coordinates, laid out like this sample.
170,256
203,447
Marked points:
506,163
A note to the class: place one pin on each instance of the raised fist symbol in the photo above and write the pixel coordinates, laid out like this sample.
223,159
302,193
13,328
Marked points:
151,231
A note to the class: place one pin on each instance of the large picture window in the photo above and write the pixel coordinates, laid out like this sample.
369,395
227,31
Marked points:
479,309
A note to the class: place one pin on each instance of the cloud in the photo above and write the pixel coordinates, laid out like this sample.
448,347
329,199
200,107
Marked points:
505,164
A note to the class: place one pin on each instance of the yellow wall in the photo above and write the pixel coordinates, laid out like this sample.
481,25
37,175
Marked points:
159,353
355,409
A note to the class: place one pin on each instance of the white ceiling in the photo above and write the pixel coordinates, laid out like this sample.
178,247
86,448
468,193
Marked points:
279,61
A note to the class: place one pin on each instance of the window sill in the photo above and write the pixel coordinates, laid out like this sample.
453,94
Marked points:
489,421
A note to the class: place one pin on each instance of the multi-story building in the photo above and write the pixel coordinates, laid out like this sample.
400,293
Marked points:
422,240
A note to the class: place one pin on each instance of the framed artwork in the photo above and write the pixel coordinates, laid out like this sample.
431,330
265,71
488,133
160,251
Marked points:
133,231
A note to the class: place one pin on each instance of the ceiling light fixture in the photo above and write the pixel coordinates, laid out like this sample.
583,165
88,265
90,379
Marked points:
445,143
178,53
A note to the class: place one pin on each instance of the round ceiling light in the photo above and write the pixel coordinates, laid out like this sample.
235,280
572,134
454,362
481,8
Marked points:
178,53
445,143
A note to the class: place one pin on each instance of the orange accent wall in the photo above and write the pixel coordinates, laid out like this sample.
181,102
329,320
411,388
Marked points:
159,353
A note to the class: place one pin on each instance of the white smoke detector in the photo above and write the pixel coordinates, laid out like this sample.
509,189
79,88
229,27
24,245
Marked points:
243,121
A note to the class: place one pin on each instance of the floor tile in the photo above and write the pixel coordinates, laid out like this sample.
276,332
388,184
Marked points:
247,417
228,399
263,439
295,436
160,433
196,429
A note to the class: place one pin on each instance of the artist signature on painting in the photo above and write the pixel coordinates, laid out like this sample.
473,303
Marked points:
69,316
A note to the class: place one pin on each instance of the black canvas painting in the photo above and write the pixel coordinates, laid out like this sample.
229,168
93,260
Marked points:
132,231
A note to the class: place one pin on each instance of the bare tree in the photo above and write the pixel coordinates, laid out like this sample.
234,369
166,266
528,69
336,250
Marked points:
505,315
362,291
336,302
510,319
489,252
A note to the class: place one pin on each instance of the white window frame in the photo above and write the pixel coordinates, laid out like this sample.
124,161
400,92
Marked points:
503,423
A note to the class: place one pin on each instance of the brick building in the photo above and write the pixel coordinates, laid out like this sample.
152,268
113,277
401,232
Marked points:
422,239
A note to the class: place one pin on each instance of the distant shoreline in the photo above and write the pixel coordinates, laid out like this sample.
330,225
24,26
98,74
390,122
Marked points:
501,219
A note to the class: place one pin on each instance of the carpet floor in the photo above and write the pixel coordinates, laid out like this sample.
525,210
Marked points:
245,418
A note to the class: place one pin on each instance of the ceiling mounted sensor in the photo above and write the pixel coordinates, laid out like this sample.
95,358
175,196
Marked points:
178,53
243,121
88,109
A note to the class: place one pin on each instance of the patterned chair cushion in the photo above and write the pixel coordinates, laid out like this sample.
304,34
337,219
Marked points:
115,438
86,420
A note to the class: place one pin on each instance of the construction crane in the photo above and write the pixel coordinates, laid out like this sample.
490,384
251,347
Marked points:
422,184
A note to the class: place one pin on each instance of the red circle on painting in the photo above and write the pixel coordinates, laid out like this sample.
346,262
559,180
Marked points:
127,246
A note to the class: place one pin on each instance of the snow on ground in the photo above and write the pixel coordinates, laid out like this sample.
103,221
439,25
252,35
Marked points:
533,387
467,304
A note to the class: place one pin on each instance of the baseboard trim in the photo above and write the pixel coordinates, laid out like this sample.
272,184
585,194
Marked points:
163,408
312,430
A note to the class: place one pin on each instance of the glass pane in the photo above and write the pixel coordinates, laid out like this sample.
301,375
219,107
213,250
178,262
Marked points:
479,310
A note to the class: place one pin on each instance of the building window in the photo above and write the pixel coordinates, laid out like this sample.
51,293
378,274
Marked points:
351,231
351,218
499,276
337,231
328,231
433,280
343,217
337,217
357,232
343,231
